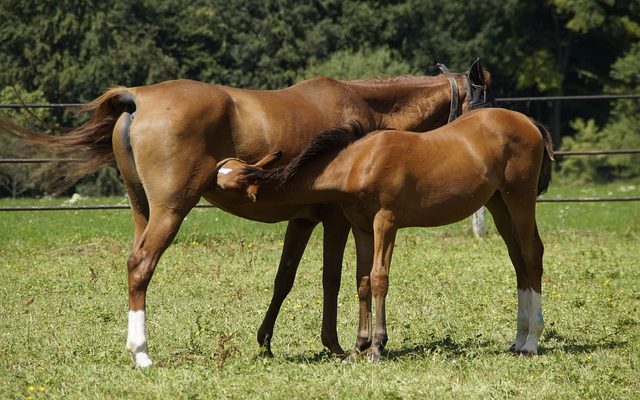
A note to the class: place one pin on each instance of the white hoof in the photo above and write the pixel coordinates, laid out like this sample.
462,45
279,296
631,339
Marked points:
142,360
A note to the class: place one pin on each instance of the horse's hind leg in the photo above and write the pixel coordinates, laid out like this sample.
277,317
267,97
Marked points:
162,227
521,207
159,206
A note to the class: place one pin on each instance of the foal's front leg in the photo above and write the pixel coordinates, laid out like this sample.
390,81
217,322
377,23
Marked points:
364,253
384,231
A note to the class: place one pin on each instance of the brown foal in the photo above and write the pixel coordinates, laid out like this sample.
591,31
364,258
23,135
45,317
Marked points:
168,139
394,179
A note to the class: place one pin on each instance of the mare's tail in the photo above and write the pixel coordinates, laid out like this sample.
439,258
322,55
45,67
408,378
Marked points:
547,159
89,144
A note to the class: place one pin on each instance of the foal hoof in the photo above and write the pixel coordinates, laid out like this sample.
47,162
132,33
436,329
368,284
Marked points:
374,356
355,355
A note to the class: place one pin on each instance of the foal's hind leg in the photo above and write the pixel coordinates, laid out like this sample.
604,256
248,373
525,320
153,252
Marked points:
521,208
384,231
505,227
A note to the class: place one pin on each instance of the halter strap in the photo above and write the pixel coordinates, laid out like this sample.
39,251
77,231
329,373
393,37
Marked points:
453,107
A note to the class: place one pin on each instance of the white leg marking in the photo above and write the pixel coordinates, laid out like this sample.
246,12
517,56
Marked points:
536,323
522,329
136,339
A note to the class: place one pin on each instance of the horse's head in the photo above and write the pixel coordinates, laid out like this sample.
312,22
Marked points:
479,93
230,174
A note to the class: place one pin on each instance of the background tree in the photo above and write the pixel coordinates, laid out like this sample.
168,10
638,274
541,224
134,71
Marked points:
72,50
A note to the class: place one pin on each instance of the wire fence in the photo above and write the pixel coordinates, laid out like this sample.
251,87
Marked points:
558,154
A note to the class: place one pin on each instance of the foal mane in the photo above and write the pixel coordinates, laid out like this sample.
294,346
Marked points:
330,140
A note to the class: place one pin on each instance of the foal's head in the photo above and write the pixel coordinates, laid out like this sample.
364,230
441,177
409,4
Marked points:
230,174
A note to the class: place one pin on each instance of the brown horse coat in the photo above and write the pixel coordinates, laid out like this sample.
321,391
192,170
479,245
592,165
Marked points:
394,179
169,138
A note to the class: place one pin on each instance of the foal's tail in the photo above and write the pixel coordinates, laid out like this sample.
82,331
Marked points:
90,144
547,159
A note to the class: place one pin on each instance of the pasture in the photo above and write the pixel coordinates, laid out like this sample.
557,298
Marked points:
451,310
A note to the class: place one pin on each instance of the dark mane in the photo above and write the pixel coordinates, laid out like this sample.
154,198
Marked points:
398,80
334,139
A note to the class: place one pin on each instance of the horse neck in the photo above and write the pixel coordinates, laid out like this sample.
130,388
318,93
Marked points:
407,103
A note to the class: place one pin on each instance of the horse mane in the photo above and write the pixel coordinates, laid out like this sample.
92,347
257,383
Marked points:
400,79
330,140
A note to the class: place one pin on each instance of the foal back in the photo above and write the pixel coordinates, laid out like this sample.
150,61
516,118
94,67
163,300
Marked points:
443,176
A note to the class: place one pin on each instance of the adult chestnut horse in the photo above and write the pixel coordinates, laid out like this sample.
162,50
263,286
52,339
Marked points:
168,138
394,179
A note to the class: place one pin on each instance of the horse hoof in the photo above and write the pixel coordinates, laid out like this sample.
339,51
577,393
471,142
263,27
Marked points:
528,352
265,352
374,356
142,360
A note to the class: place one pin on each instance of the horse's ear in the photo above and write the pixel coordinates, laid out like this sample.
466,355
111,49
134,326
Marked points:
476,74
270,158
442,68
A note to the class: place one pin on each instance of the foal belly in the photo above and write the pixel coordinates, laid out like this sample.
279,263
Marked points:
439,209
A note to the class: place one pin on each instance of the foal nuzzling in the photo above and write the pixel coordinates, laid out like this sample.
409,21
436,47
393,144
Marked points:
393,179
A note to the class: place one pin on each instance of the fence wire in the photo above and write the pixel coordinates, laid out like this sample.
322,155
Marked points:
559,154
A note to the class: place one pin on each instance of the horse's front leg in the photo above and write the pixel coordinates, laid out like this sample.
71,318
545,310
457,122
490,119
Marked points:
336,233
384,231
295,241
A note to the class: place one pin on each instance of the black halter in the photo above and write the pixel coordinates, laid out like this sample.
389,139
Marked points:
475,95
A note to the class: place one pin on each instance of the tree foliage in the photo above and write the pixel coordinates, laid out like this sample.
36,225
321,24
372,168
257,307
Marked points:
72,50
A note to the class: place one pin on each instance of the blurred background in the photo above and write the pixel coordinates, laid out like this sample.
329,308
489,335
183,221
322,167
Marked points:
71,51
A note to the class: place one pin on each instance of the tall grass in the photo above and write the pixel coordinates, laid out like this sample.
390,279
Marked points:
451,311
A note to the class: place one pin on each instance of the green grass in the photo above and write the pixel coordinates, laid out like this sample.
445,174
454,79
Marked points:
451,310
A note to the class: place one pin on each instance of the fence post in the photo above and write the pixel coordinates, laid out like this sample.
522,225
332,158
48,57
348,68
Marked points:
479,223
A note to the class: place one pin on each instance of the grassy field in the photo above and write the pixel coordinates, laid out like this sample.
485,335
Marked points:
451,310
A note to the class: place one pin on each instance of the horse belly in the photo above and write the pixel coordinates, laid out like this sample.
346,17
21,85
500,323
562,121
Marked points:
241,206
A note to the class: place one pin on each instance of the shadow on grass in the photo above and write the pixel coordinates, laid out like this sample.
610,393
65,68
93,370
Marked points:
448,346
554,342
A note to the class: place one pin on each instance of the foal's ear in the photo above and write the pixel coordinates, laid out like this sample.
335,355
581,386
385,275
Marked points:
252,192
270,158
476,74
